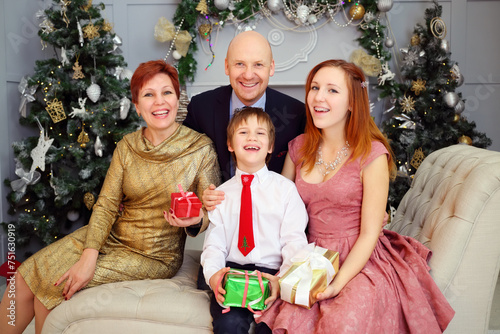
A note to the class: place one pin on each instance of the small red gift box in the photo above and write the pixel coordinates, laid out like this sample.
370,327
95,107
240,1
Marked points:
185,204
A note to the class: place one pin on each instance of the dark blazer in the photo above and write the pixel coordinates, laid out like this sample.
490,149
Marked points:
208,113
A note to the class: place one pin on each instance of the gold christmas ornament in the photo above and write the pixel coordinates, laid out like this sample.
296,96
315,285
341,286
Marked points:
418,86
202,7
205,30
87,6
408,104
91,31
56,110
83,138
89,200
456,118
415,40
357,11
78,71
106,26
438,28
465,140
417,159
370,65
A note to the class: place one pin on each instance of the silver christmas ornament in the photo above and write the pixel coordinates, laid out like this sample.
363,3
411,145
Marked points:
302,13
124,107
73,215
98,147
460,80
274,5
445,46
389,42
384,5
312,19
460,107
451,99
94,92
126,74
221,4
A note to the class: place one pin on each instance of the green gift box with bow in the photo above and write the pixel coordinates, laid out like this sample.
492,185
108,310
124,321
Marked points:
246,289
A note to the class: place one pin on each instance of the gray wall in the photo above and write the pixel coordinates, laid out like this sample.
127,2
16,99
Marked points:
472,28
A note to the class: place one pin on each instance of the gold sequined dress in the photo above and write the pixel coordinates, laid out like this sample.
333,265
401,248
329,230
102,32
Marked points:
138,243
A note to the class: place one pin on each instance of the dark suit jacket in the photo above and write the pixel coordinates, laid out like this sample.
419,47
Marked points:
208,113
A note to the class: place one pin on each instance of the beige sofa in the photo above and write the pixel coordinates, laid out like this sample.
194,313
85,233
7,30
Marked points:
453,207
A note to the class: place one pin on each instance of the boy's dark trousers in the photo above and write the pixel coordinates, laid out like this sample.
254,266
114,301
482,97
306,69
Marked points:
237,320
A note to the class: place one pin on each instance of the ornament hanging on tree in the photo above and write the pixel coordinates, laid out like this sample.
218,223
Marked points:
465,140
80,112
94,92
407,122
274,5
415,40
87,6
89,200
418,86
202,7
357,11
91,31
25,179
64,57
176,55
456,118
389,42
39,152
444,45
302,13
408,104
83,138
80,32
56,110
221,4
417,159
124,107
78,70
460,107
26,94
98,147
438,27
73,215
451,99
384,5
64,9
106,26
205,30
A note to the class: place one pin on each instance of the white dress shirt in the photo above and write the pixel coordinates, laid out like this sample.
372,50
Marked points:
279,222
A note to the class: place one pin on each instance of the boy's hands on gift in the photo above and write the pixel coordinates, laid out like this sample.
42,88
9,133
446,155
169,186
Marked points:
182,222
212,197
275,290
216,286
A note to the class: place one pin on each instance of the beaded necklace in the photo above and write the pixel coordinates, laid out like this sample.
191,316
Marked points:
327,167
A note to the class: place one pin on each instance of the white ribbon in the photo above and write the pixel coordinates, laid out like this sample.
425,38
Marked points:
26,94
25,179
313,259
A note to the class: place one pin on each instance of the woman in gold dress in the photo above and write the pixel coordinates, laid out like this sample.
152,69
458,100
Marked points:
136,242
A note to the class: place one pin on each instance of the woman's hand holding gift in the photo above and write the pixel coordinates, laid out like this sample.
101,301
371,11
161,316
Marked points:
275,290
182,222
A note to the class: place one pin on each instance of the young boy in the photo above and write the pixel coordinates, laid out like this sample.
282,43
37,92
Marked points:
277,218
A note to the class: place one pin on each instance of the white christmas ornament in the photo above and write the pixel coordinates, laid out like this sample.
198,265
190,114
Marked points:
221,4
39,152
98,147
451,99
64,57
176,55
126,74
94,92
73,215
302,13
79,111
384,5
312,19
445,45
460,107
124,107
274,5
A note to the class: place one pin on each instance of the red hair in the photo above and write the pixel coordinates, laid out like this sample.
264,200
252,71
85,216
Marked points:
146,71
360,129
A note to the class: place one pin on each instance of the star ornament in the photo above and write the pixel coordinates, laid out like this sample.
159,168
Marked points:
408,104
39,152
91,31
418,86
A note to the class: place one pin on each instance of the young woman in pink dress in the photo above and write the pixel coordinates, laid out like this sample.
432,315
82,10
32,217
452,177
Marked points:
342,166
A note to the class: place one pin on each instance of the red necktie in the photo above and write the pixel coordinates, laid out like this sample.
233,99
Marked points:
245,237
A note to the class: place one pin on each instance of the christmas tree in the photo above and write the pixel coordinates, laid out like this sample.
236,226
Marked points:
428,115
79,100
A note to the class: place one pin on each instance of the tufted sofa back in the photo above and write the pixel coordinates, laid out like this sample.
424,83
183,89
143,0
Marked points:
453,207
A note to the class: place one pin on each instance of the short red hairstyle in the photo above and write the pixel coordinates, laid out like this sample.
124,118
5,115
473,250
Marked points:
360,129
146,71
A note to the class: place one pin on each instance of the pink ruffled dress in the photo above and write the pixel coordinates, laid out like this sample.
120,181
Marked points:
393,293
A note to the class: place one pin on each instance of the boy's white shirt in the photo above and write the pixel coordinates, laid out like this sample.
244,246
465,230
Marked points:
279,222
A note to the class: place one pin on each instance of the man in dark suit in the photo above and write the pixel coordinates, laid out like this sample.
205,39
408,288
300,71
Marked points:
249,64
